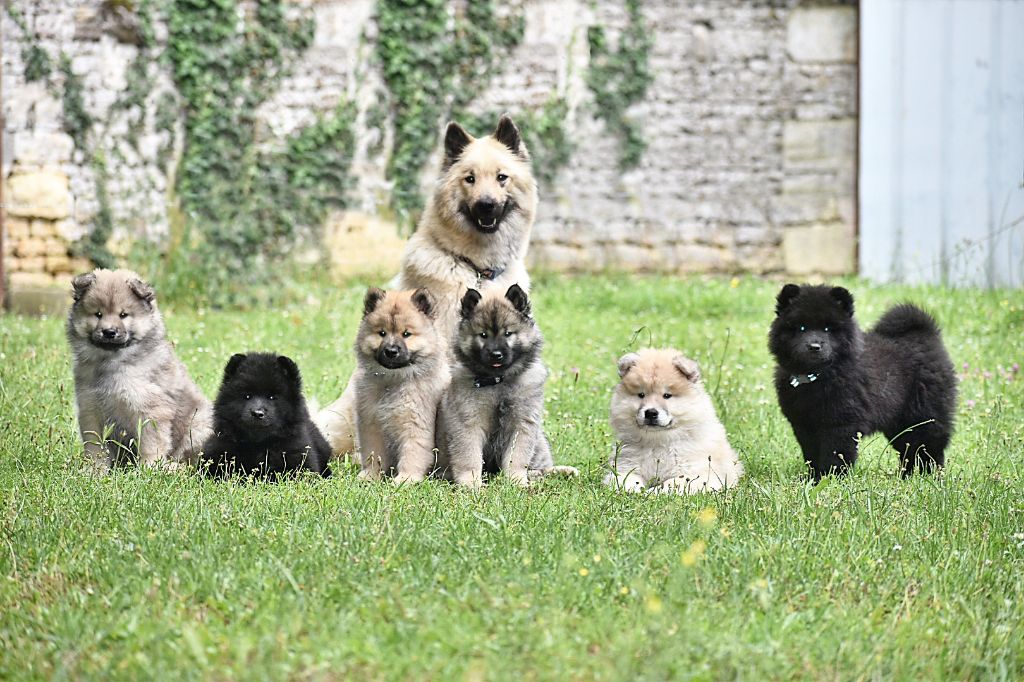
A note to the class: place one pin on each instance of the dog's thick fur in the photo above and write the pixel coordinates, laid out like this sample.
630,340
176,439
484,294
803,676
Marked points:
134,398
261,425
402,372
836,383
670,439
474,233
491,416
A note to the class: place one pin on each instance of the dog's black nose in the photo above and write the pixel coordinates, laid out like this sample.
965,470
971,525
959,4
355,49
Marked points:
259,413
497,355
486,207
391,352
814,346
109,333
651,414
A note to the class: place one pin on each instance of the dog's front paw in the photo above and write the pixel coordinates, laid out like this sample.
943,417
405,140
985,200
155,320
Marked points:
519,477
367,475
406,477
562,470
629,483
469,481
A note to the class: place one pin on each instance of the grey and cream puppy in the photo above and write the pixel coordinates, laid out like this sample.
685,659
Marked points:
134,398
402,372
491,416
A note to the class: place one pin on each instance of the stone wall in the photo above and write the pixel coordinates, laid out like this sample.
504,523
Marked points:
750,122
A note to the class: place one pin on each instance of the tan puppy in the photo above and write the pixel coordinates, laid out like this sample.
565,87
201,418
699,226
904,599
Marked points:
135,399
474,233
671,439
402,372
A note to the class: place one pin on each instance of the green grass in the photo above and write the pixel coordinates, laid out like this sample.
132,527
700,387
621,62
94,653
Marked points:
145,574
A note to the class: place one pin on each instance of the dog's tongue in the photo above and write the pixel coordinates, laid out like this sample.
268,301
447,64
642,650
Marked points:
496,365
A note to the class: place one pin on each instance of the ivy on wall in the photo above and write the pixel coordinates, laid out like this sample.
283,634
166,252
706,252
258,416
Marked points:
619,78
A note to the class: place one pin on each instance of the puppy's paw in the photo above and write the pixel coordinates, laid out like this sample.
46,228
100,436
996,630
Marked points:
406,477
471,482
520,478
367,475
562,470
683,485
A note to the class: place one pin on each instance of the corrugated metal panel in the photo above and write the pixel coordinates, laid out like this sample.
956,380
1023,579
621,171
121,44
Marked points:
942,141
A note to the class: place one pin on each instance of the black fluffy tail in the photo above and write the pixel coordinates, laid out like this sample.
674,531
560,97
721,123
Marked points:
906,318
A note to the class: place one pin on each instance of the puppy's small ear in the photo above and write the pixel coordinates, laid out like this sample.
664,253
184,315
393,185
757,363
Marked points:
627,362
508,134
844,298
687,367
424,302
233,364
785,297
373,298
81,284
291,370
142,289
456,139
519,300
469,302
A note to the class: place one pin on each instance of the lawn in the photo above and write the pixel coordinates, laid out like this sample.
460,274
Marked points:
148,574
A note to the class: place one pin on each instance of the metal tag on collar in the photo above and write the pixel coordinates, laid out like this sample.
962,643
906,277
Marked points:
797,379
481,382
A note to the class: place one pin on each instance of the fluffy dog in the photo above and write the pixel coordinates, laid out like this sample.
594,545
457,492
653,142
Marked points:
474,233
491,416
402,371
135,400
836,383
671,439
262,427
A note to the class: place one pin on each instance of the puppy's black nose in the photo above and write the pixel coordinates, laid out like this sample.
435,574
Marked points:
497,355
259,413
651,414
109,333
814,346
391,352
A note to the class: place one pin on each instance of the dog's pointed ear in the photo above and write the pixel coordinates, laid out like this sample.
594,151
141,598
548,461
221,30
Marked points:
844,298
81,284
687,367
291,370
142,289
785,297
469,302
372,299
456,139
233,364
627,362
508,134
424,302
519,300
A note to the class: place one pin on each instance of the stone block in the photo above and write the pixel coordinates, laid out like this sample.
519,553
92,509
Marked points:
359,243
822,34
32,264
819,144
38,194
28,247
42,228
701,258
41,148
37,293
827,249
55,247
81,265
59,263
791,209
16,228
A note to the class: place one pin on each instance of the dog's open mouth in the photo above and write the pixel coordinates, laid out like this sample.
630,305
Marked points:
110,344
487,226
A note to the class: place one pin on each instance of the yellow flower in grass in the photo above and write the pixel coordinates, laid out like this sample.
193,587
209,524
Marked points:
693,553
584,572
707,517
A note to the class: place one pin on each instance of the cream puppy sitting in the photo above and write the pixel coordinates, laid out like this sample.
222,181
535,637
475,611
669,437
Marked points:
671,439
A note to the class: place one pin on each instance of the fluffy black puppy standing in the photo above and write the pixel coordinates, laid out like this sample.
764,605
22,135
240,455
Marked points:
837,383
261,424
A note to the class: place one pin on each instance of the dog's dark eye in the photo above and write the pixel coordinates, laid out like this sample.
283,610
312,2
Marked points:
502,177
382,333
826,328
123,315
272,397
640,395
803,328
406,334
99,313
470,179
509,332
248,396
483,335
666,396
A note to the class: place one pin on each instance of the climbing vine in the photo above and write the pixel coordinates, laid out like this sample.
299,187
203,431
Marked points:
38,65
435,62
619,78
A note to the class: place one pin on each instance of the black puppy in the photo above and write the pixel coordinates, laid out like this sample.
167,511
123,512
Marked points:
836,383
261,425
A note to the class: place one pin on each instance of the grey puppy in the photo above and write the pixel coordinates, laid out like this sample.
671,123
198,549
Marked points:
491,417
135,399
